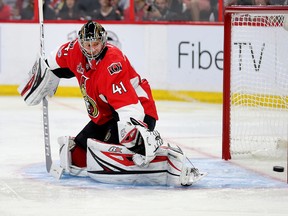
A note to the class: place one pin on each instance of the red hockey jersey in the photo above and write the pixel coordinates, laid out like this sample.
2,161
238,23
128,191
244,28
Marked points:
112,84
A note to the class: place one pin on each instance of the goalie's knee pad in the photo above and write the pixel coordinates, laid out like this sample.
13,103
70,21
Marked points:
66,145
180,172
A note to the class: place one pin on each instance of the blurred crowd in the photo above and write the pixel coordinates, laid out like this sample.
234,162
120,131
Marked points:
144,10
256,2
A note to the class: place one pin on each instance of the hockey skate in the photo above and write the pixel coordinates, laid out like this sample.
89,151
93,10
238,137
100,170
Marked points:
180,168
191,175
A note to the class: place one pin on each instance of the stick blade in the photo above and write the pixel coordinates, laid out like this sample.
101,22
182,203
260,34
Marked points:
48,163
56,171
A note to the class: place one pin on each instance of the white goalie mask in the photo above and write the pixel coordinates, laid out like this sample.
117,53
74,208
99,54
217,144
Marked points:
92,38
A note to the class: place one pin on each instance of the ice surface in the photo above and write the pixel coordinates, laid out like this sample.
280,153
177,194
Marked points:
237,187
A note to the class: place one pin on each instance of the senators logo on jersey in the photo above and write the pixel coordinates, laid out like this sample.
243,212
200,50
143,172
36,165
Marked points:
115,68
91,105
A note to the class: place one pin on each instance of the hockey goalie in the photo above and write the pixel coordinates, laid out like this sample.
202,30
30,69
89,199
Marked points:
119,144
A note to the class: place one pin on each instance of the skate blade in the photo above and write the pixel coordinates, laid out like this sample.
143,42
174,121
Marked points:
56,171
199,177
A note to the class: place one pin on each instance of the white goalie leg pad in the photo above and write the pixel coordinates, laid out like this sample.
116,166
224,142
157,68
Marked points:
66,145
180,170
64,152
41,82
113,164
174,165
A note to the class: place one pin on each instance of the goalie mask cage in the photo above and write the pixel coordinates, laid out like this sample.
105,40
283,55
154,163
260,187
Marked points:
255,104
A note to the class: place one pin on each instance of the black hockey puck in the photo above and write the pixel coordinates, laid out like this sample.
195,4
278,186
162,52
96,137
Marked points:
278,168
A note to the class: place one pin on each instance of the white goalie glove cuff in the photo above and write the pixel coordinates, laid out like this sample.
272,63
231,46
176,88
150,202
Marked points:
41,82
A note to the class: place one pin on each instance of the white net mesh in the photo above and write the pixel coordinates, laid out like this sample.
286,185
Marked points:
259,85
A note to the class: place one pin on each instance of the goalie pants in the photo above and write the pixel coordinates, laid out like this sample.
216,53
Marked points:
107,133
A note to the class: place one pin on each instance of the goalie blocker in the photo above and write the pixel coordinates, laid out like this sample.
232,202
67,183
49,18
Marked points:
114,164
41,82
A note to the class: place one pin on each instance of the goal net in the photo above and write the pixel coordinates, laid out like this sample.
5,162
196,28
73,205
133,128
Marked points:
255,93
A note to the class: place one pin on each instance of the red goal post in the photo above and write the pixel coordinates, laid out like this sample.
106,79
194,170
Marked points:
255,81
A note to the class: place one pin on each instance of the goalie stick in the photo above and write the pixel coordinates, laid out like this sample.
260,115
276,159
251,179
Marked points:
51,168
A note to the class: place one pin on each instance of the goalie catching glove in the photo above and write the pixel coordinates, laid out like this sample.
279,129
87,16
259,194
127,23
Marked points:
41,82
138,138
